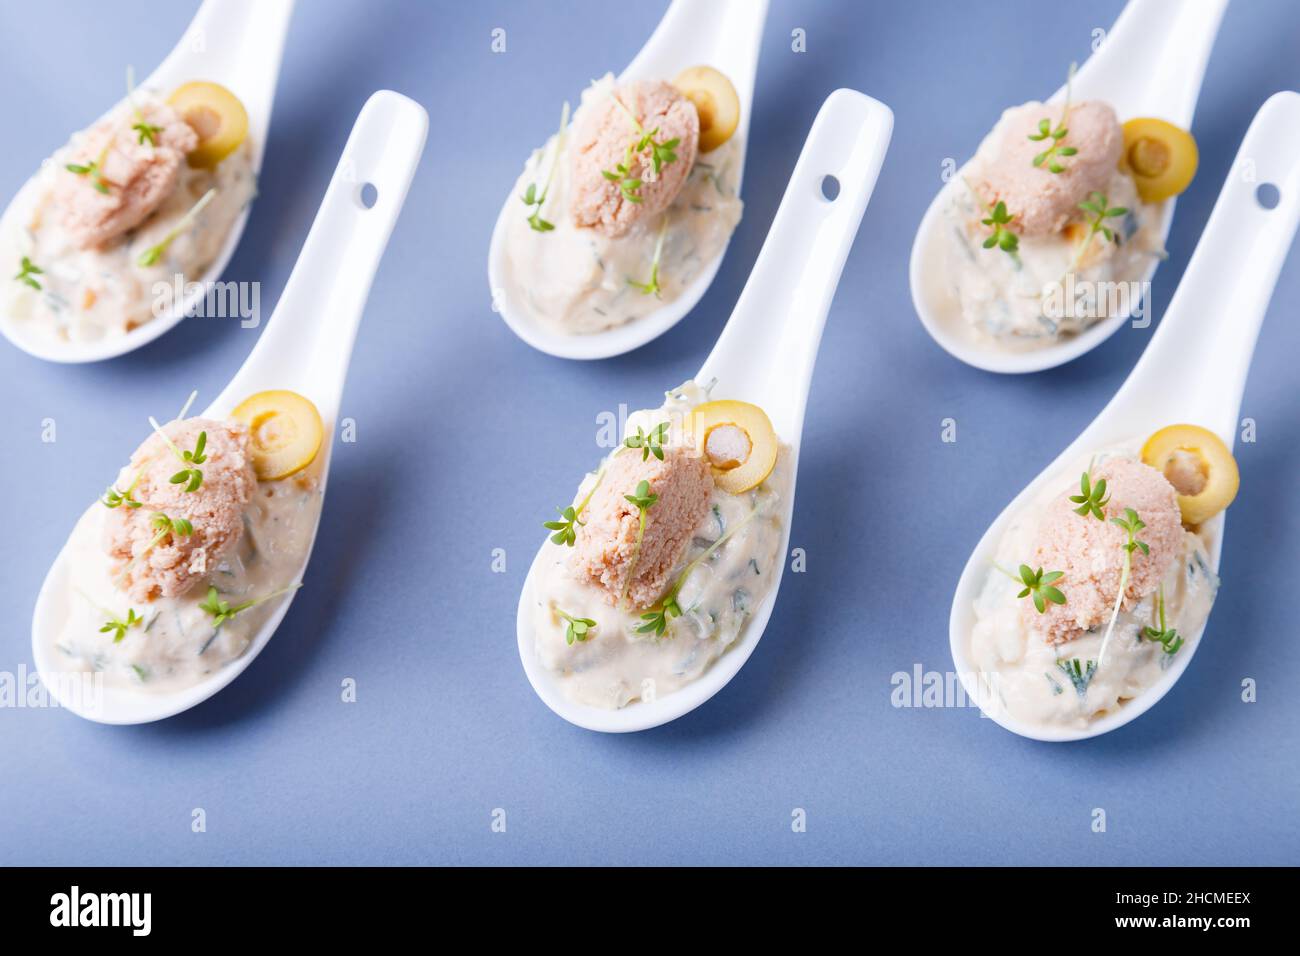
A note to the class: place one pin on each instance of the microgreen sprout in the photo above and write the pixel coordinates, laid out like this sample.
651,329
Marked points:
222,611
661,155
146,131
1097,206
26,270
1166,637
644,501
1092,497
118,627
579,628
1131,523
566,529
652,287
533,198
658,617
1055,151
189,476
1080,674
651,443
1037,585
115,499
998,219
94,169
153,255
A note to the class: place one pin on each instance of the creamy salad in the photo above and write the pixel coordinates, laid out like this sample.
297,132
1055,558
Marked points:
612,644
578,266
112,218
1078,660
166,585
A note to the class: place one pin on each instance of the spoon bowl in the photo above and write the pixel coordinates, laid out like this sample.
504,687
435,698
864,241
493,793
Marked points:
725,34
232,42
306,348
1151,64
765,356
1208,336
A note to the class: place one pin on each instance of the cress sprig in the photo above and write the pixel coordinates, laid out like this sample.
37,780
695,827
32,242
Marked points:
115,499
1055,150
190,476
657,618
650,443
222,611
578,629
1167,637
153,255
118,627
998,219
644,500
533,199
1092,497
27,269
147,131
661,154
1131,523
652,287
1038,586
93,169
1099,208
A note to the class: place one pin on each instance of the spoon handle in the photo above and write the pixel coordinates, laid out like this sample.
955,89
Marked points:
237,43
767,351
1153,60
1203,347
308,342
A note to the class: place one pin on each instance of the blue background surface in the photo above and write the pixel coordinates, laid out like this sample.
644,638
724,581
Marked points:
467,438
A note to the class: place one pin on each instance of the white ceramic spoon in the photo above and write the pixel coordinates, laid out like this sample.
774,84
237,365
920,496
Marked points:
765,355
1151,64
1194,372
305,348
237,43
724,34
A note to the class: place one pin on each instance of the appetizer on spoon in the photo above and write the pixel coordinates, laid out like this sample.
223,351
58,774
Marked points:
112,242
1045,242
618,223
178,576
655,584
1086,599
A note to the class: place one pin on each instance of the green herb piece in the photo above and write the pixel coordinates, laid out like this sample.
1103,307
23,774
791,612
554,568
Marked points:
118,627
1100,212
579,628
154,254
222,611
652,287
644,501
1038,586
1055,151
1168,638
148,132
94,170
1092,498
998,219
1132,524
114,498
661,155
657,618
165,525
26,271
192,477
651,443
566,530
534,199
1080,674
